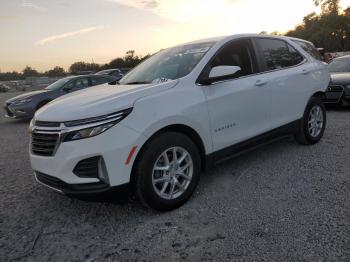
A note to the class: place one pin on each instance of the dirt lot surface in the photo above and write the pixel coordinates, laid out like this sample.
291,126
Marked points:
282,202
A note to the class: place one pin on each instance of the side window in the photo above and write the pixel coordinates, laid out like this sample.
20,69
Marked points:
98,80
309,49
237,53
116,73
79,83
278,54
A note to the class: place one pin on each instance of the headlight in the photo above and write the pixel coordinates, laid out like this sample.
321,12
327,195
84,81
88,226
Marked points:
348,87
87,132
118,116
31,124
93,126
22,101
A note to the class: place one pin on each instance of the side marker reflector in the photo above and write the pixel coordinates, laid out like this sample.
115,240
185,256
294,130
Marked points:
132,151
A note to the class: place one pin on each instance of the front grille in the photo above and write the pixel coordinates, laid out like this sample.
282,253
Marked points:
44,144
346,96
335,89
47,124
88,168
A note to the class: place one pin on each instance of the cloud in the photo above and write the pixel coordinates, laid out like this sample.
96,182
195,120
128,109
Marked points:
179,10
69,34
31,5
140,4
157,30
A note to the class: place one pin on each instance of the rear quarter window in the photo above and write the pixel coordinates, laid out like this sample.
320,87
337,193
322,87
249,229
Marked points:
99,80
310,49
278,54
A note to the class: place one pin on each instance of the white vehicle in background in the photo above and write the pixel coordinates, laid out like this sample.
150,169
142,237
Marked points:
178,112
4,88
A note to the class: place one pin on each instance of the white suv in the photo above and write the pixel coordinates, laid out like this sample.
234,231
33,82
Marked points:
178,112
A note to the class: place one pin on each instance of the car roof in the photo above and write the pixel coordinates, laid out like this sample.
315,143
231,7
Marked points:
232,37
345,57
108,70
78,76
75,76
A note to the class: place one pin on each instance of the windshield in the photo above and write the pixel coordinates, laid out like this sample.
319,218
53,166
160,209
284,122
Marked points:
58,84
104,71
168,64
339,65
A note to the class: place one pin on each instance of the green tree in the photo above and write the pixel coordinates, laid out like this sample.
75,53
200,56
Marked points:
116,63
347,11
28,71
330,29
128,61
328,6
83,66
56,71
9,76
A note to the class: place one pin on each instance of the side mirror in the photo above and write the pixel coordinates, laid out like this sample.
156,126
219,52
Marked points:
219,73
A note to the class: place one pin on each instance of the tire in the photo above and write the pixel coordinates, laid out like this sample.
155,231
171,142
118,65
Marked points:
151,166
312,132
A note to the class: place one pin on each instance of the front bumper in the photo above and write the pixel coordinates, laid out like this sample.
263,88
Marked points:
337,94
13,111
113,146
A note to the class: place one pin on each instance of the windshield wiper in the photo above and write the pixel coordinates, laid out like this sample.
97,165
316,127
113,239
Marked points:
137,83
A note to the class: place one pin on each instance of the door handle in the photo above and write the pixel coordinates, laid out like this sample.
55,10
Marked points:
260,83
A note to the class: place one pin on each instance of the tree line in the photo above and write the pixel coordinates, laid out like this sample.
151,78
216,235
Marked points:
329,30
130,60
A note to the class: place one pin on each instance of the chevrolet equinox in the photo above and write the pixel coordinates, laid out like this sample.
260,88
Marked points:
177,113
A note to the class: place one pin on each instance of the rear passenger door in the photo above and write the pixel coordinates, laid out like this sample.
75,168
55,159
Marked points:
288,79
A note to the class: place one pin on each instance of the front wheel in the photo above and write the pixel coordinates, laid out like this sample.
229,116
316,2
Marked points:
167,172
313,123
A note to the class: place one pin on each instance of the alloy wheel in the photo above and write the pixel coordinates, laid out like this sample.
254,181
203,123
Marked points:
315,121
172,173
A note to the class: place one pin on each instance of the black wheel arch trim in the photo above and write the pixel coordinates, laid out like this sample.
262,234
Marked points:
253,143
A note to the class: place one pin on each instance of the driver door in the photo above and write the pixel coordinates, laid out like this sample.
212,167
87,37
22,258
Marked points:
239,108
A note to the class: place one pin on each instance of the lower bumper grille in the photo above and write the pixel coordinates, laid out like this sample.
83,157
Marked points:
66,188
346,96
44,144
8,112
88,168
334,94
335,89
50,180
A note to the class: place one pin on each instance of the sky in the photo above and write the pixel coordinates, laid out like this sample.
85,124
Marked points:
46,33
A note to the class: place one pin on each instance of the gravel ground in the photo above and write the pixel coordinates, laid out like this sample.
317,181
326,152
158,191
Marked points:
282,202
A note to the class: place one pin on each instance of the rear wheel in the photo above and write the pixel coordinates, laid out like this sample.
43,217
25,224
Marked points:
167,171
313,123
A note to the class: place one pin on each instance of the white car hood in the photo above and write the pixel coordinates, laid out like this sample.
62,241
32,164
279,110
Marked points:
97,101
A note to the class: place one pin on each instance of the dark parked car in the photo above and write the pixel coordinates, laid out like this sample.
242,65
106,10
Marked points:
339,88
25,105
117,74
